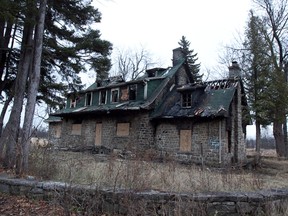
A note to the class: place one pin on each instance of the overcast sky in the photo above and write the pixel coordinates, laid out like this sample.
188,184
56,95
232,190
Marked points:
158,25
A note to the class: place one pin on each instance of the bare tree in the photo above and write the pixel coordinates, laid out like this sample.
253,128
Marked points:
131,64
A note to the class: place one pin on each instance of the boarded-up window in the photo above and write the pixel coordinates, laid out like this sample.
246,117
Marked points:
123,129
124,94
98,134
57,131
76,129
185,140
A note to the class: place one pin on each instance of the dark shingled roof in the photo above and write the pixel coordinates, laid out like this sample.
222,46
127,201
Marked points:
163,75
210,99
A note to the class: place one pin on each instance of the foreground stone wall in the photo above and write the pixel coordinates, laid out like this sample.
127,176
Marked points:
122,202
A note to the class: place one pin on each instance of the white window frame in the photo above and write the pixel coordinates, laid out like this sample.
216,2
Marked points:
73,103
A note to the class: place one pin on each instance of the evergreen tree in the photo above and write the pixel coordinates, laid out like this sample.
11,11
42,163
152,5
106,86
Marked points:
257,68
274,15
191,59
69,44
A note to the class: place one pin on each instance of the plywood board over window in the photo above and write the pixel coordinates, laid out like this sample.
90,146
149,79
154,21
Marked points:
124,94
57,133
76,129
123,129
98,134
185,140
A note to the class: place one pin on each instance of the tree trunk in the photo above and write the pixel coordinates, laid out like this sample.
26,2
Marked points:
258,140
3,43
3,112
9,137
279,138
285,138
285,66
34,81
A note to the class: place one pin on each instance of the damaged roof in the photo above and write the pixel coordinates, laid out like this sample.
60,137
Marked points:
156,78
209,99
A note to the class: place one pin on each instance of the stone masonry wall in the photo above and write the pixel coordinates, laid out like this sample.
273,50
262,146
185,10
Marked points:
127,202
206,140
141,132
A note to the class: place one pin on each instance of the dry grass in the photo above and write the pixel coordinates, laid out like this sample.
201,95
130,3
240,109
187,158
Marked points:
271,153
112,172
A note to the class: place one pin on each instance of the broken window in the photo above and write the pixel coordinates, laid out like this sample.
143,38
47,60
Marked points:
114,95
73,103
185,140
186,100
229,141
123,129
102,98
88,101
132,92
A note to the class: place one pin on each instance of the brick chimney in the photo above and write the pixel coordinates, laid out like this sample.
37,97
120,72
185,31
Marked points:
177,55
234,70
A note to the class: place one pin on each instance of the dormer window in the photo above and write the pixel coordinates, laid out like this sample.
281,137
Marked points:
88,99
114,95
73,103
186,100
102,97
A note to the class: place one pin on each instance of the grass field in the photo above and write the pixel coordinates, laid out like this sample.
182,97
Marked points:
138,174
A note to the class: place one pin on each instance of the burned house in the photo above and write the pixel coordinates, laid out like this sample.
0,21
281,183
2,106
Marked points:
163,112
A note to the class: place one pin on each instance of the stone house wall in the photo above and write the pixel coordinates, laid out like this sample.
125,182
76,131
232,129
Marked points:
164,135
141,132
205,139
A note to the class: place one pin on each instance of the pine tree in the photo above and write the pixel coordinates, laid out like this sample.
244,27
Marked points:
191,59
69,44
274,15
257,68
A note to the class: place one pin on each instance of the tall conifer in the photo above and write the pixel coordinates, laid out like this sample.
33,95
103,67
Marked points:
191,59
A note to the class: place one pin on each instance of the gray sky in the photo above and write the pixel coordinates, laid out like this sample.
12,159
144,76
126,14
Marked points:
158,25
